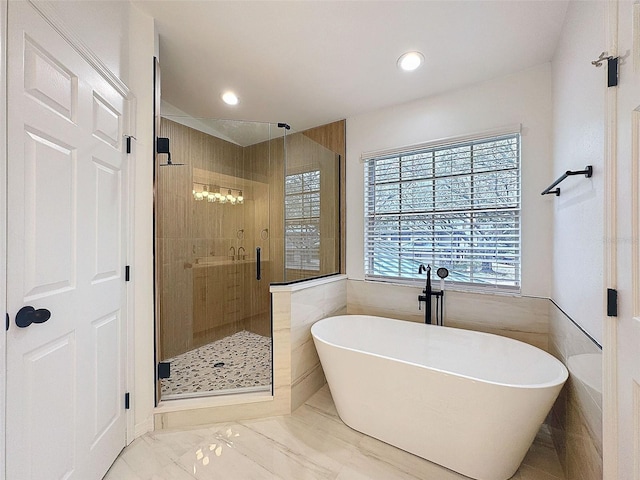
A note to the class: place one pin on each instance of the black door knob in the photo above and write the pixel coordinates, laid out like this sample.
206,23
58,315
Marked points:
28,315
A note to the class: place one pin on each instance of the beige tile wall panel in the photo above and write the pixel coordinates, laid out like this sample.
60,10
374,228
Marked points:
309,305
576,417
522,318
307,386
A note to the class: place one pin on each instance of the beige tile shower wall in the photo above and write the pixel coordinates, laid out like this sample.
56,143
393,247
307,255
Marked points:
522,318
214,226
576,417
308,305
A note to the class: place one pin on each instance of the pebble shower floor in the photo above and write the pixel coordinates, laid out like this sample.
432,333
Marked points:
247,363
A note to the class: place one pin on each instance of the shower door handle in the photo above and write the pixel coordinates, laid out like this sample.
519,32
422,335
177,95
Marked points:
258,275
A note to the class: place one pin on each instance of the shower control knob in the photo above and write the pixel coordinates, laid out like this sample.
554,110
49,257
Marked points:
28,315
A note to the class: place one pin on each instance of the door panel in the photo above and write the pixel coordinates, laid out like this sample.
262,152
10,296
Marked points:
107,121
49,366
49,219
49,81
106,332
65,377
108,183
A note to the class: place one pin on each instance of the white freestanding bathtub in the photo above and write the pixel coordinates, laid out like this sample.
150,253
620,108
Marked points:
469,401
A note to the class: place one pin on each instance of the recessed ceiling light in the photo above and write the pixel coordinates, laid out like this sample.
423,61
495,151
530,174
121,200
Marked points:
230,98
410,61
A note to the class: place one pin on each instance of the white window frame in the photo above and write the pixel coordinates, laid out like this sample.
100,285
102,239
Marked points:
373,237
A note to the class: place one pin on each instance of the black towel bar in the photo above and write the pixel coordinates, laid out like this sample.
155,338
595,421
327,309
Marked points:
587,172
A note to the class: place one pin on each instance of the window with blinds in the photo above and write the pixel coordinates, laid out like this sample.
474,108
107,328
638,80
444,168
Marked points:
302,221
455,206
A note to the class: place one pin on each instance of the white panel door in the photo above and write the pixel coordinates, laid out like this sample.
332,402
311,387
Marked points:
65,376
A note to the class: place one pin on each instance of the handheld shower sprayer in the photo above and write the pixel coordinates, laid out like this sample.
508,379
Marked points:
442,273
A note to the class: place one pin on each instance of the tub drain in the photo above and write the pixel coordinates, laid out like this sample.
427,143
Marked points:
219,364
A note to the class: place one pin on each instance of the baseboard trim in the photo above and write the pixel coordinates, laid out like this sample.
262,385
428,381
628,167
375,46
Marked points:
144,427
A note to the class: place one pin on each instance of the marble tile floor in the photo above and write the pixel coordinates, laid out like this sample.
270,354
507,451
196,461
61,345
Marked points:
247,363
311,443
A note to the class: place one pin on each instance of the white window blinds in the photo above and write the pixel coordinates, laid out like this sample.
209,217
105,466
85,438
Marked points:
455,206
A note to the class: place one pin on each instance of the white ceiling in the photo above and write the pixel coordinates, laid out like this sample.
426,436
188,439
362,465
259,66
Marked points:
308,63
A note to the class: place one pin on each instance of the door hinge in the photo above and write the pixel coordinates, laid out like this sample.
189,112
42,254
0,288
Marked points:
612,68
164,370
612,302
127,399
127,273
129,137
612,72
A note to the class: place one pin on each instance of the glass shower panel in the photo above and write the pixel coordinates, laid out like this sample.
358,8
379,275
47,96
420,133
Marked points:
213,256
311,209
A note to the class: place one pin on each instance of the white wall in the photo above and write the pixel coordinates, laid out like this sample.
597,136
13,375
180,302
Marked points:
143,47
578,122
523,98
103,26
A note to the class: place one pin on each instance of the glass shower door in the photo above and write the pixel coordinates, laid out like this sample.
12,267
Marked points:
213,261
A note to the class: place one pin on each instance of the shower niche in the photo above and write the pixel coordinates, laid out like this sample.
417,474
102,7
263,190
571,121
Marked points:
252,204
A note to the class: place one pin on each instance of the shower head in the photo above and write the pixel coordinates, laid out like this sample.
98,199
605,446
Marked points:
170,163
442,273
162,146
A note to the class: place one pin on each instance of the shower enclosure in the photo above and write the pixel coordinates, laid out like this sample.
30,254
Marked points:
243,205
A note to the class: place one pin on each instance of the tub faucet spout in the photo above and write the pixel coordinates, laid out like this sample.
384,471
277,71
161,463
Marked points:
426,297
241,255
428,292
233,252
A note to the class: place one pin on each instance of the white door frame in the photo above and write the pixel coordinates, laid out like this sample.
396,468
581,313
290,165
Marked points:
129,205
610,326
3,228
50,15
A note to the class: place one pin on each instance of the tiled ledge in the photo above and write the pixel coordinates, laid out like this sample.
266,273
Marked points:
315,282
